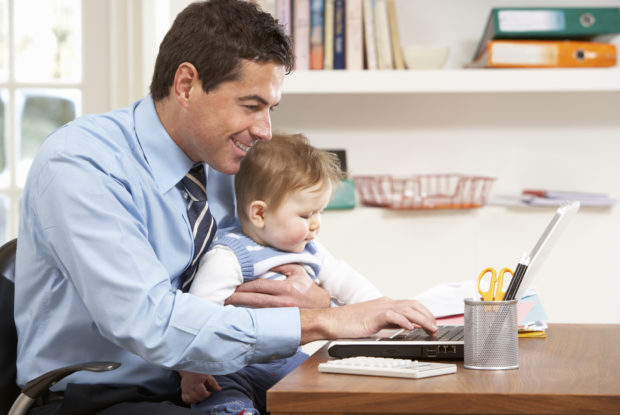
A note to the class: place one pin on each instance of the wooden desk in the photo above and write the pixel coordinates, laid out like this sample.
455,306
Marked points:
575,370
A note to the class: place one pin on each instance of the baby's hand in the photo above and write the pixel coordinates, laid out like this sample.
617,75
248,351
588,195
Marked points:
196,387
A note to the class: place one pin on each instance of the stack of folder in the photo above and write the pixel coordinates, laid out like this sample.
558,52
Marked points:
548,37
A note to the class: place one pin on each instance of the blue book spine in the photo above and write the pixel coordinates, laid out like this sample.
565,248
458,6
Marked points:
317,10
339,34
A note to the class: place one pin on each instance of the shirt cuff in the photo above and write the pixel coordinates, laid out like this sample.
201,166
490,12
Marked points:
278,333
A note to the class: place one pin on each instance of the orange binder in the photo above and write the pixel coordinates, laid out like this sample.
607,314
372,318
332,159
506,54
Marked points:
546,54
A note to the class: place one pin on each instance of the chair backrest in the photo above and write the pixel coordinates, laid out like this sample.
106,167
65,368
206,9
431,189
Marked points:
8,332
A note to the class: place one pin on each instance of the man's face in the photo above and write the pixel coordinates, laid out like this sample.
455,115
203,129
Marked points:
222,125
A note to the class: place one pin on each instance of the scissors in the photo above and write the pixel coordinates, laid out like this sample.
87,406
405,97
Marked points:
496,285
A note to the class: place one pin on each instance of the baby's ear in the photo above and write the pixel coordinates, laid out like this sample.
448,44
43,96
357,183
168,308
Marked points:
257,213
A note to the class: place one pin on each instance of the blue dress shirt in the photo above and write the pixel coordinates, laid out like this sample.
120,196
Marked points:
103,239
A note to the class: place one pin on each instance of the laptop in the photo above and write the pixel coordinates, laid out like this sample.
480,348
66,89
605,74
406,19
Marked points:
448,343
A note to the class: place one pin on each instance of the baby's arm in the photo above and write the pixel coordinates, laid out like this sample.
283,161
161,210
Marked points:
218,275
344,284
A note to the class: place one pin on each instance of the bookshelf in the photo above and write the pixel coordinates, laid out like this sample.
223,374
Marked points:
549,128
453,81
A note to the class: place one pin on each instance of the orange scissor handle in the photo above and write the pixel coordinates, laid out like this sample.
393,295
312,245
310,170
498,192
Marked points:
496,284
490,293
500,293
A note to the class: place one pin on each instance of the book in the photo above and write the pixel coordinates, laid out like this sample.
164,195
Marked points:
370,46
339,34
382,35
354,35
328,36
535,197
549,23
301,34
544,201
545,54
397,50
284,15
317,25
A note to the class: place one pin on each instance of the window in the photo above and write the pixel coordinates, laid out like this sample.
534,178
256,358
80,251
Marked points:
60,59
40,87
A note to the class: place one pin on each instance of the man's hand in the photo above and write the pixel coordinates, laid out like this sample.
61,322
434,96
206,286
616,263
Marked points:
364,319
196,387
298,290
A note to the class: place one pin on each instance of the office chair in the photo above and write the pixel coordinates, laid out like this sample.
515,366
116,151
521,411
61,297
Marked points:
12,400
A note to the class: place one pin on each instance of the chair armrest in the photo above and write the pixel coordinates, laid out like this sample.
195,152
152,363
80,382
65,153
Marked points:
36,387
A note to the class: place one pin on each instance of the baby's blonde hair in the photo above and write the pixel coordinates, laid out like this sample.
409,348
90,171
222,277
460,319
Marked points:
272,170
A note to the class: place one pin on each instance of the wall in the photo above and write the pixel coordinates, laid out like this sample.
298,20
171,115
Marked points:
524,140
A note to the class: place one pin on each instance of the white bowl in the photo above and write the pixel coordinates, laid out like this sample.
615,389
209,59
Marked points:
425,56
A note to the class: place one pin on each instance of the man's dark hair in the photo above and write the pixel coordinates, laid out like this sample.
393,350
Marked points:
215,36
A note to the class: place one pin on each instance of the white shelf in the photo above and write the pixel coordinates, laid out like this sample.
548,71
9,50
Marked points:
453,81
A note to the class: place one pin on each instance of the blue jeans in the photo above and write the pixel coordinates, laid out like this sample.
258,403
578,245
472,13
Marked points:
246,390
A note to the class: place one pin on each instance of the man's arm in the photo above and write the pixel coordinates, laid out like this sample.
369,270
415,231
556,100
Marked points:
298,290
364,319
321,323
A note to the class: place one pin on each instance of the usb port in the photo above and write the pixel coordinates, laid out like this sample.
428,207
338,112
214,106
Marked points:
431,351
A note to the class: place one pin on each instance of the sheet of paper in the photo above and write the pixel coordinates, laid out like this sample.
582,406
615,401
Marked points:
523,310
445,300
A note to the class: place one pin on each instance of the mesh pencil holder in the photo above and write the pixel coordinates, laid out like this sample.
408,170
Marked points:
491,335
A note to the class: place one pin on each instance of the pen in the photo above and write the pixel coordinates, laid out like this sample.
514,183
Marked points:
515,282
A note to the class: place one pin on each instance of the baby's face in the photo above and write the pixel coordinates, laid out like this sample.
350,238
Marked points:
297,220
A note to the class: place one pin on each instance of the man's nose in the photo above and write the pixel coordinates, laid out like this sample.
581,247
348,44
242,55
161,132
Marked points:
261,130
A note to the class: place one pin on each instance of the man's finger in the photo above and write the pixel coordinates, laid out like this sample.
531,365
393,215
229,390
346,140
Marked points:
414,316
263,286
212,383
286,269
257,300
417,312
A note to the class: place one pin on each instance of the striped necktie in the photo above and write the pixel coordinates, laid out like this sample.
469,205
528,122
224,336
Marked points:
200,219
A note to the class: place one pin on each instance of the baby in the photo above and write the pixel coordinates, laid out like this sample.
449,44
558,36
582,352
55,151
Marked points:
282,188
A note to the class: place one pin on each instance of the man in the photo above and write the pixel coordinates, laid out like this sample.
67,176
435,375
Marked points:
106,240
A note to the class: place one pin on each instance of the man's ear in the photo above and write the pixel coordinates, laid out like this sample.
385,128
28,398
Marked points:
257,213
185,78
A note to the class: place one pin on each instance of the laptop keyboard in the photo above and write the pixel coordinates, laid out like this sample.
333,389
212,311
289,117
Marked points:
445,333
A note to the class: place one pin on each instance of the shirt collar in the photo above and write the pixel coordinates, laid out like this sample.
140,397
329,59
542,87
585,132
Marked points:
167,161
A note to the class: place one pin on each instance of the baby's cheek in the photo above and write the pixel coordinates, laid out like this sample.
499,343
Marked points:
296,234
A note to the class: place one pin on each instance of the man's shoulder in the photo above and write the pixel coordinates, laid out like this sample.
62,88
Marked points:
102,137
113,130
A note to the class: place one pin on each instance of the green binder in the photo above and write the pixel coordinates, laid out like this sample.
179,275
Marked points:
344,196
549,23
